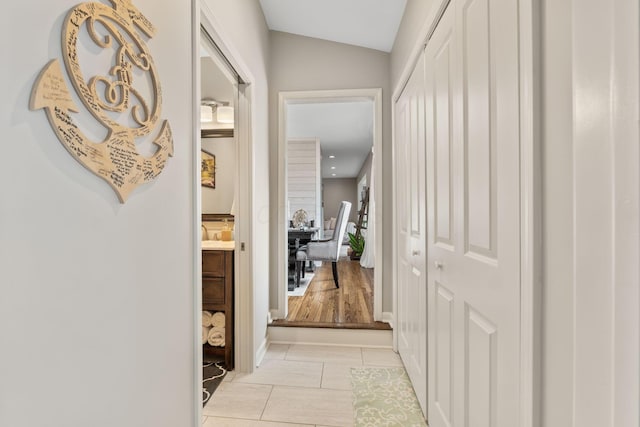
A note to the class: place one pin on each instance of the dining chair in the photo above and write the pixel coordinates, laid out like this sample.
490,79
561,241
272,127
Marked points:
325,250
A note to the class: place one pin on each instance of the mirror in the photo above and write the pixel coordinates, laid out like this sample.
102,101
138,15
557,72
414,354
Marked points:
218,96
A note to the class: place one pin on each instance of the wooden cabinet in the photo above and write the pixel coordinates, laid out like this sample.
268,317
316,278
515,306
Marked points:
217,296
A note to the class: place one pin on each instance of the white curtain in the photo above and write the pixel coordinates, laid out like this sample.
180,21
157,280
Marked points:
368,259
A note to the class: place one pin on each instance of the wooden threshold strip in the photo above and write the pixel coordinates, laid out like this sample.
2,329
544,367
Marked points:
378,326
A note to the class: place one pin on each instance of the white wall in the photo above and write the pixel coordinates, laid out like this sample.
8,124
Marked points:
366,170
301,63
605,195
558,275
97,298
219,199
590,158
214,83
334,191
242,24
304,179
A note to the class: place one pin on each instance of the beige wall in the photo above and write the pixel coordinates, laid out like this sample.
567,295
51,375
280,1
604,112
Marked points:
114,282
302,63
410,34
97,297
334,191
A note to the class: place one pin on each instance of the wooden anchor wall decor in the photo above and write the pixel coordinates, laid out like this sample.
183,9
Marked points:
116,159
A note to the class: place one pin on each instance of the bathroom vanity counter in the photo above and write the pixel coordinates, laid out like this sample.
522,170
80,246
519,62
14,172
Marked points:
218,245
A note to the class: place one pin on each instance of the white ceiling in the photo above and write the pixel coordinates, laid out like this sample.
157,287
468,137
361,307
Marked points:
214,83
345,130
367,23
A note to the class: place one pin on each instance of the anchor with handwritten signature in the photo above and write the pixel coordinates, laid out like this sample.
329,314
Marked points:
116,159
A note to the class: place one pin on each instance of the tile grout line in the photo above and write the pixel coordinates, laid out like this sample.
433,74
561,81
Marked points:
266,402
286,353
344,361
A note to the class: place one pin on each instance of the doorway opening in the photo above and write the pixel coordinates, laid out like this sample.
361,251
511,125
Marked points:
221,81
327,146
219,94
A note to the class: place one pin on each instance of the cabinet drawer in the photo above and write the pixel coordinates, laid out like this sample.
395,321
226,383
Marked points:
213,291
213,263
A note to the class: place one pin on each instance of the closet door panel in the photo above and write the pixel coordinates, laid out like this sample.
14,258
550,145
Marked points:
411,228
473,202
440,99
479,138
443,147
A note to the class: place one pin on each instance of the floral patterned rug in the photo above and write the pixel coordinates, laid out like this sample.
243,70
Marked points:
384,397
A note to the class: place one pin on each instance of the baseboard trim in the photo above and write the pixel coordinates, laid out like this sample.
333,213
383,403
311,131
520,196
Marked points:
336,337
274,314
387,317
262,351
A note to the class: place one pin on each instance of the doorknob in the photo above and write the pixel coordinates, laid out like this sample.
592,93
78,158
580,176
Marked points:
438,265
415,253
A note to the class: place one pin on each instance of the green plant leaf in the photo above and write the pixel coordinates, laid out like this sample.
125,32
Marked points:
356,243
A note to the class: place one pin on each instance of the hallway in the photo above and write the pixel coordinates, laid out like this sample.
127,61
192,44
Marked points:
296,385
513,290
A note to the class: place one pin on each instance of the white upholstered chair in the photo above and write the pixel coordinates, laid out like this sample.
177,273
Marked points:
325,250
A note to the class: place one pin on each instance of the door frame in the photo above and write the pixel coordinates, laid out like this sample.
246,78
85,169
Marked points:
530,196
245,353
284,98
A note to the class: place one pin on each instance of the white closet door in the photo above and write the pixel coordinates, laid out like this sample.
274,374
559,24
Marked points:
411,229
473,215
439,81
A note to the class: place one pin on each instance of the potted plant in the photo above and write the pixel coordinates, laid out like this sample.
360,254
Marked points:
357,246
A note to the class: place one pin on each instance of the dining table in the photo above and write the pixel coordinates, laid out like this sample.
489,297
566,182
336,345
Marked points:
297,237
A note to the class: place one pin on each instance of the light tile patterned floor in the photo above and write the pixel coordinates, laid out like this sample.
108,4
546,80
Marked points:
296,385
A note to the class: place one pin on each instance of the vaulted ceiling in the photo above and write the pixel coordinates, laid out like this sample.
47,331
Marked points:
366,23
345,129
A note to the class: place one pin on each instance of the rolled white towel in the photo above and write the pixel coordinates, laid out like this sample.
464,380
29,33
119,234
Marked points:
217,320
206,318
205,334
216,337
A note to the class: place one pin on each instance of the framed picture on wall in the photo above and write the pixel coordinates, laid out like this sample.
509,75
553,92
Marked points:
208,170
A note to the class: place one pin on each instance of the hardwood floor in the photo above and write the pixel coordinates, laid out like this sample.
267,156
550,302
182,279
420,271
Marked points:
324,305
